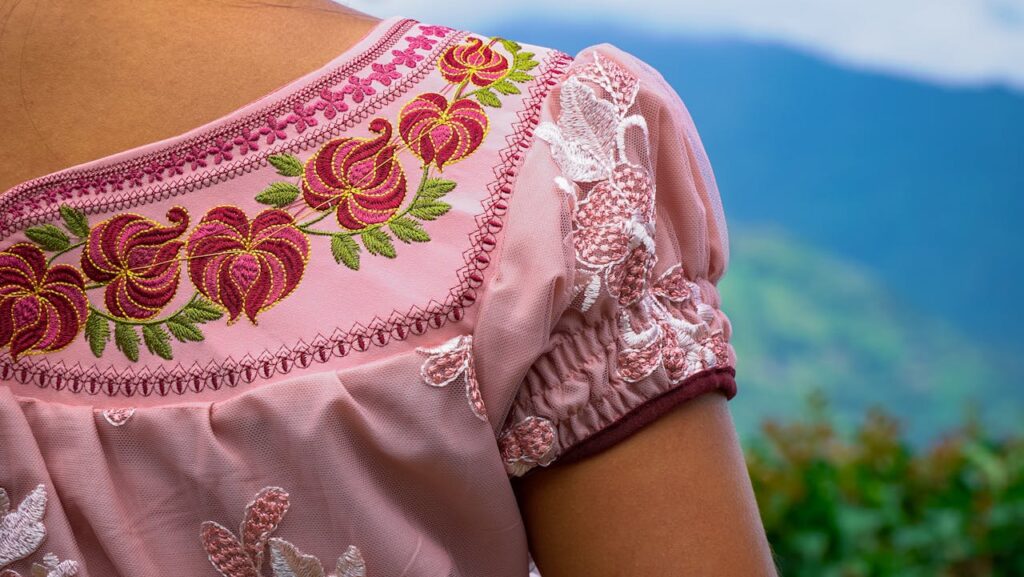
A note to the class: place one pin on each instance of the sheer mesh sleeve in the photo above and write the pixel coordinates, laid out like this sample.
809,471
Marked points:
643,329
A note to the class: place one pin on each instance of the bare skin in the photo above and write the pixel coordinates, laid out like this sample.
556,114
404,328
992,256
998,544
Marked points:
674,499
83,80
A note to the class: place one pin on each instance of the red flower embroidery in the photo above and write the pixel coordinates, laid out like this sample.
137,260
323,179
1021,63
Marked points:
246,266
441,133
359,176
41,308
481,63
137,258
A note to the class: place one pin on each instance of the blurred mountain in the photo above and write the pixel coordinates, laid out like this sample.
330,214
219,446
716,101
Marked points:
921,184
803,318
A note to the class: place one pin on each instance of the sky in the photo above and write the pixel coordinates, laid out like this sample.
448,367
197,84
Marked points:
958,42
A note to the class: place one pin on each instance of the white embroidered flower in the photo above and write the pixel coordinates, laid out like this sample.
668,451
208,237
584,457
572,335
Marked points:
21,530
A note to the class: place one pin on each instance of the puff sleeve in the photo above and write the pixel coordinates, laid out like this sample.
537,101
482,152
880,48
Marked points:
643,329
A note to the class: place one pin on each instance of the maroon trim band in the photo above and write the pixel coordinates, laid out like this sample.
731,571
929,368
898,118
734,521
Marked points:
723,378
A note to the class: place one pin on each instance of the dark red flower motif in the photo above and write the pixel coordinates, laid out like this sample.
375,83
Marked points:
137,258
246,266
41,308
441,133
359,176
481,63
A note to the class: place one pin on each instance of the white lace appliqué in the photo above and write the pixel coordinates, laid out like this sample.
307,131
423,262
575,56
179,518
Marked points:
606,169
449,362
21,533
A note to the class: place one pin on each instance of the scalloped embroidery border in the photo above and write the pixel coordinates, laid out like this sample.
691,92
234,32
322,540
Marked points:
417,320
207,156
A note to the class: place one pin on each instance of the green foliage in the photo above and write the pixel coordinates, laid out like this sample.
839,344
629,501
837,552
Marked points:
378,242
345,250
868,504
286,164
278,194
75,220
49,237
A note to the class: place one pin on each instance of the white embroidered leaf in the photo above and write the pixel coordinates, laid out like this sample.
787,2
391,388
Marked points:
583,142
351,563
22,530
5,502
287,561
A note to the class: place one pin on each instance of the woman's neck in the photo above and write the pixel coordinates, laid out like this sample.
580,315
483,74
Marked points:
82,80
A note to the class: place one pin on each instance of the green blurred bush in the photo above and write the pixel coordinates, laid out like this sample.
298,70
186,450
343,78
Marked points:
868,504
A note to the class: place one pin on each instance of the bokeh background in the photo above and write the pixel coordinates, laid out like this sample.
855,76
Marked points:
870,158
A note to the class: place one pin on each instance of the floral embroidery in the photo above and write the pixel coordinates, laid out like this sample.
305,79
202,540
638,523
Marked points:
118,416
51,566
218,148
480,63
184,324
21,530
21,533
439,132
246,266
42,307
526,444
451,361
136,258
359,177
243,555
288,561
614,228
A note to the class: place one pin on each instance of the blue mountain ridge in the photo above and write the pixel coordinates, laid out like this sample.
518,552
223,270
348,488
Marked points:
921,183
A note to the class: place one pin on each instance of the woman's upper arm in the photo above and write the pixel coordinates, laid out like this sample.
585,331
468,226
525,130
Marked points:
673,499
619,439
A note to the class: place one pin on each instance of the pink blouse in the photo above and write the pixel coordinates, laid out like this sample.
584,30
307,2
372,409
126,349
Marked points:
323,334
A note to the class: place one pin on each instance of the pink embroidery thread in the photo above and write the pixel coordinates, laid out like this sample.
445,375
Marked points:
614,225
451,361
243,555
39,195
231,372
526,444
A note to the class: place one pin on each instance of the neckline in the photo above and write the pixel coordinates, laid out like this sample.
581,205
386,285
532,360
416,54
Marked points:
354,60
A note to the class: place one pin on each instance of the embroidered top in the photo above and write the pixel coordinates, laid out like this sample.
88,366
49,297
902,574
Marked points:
318,336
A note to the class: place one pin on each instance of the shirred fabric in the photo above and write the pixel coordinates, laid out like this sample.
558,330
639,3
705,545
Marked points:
639,326
318,335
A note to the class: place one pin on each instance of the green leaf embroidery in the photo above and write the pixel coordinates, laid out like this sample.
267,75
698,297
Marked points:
127,340
429,209
378,242
183,329
200,310
524,61
157,341
487,98
286,164
519,76
49,237
97,332
408,230
75,220
510,45
505,87
436,188
278,194
345,250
